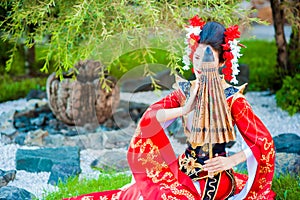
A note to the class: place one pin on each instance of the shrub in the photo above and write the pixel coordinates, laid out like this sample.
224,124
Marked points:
288,97
14,89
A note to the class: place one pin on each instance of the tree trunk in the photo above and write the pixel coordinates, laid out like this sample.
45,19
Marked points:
278,21
30,55
31,60
294,45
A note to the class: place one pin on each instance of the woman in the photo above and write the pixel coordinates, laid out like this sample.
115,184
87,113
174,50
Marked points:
209,108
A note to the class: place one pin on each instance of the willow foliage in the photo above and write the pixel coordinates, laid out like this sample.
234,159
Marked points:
76,30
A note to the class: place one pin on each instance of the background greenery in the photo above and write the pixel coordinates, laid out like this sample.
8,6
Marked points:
288,97
79,30
18,87
63,32
261,62
114,32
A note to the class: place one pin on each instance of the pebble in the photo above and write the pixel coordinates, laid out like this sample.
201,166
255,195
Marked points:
264,105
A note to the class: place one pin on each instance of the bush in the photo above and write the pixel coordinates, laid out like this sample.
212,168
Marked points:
288,97
14,89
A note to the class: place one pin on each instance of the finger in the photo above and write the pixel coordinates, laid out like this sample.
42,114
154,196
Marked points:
213,161
210,165
219,167
213,168
214,164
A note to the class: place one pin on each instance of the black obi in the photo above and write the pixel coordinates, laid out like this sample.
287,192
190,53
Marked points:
193,158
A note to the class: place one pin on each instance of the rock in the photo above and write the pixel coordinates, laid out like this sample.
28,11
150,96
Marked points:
22,122
128,112
8,134
6,177
118,138
165,80
38,104
36,94
31,120
14,193
62,171
120,119
56,140
287,163
6,126
137,110
115,160
6,119
39,121
243,76
287,142
35,138
284,163
100,139
90,140
20,138
42,160
70,132
81,101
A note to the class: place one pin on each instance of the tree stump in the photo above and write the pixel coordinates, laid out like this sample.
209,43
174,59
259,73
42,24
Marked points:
82,100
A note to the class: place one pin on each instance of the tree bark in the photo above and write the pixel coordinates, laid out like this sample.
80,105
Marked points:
278,21
31,60
294,44
30,55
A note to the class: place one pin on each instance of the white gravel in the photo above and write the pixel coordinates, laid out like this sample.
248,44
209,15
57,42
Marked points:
276,120
263,104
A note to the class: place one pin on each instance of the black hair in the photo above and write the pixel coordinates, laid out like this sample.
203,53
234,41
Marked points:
213,34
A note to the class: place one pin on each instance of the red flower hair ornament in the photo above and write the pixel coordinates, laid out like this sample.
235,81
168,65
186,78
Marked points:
192,39
231,47
231,54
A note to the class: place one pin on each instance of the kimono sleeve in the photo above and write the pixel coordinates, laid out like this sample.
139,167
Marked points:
260,141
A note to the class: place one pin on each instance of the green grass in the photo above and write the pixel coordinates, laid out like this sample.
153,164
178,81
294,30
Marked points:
287,187
260,56
15,88
74,186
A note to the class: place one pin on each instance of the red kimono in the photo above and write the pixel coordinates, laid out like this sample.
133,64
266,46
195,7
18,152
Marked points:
155,167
